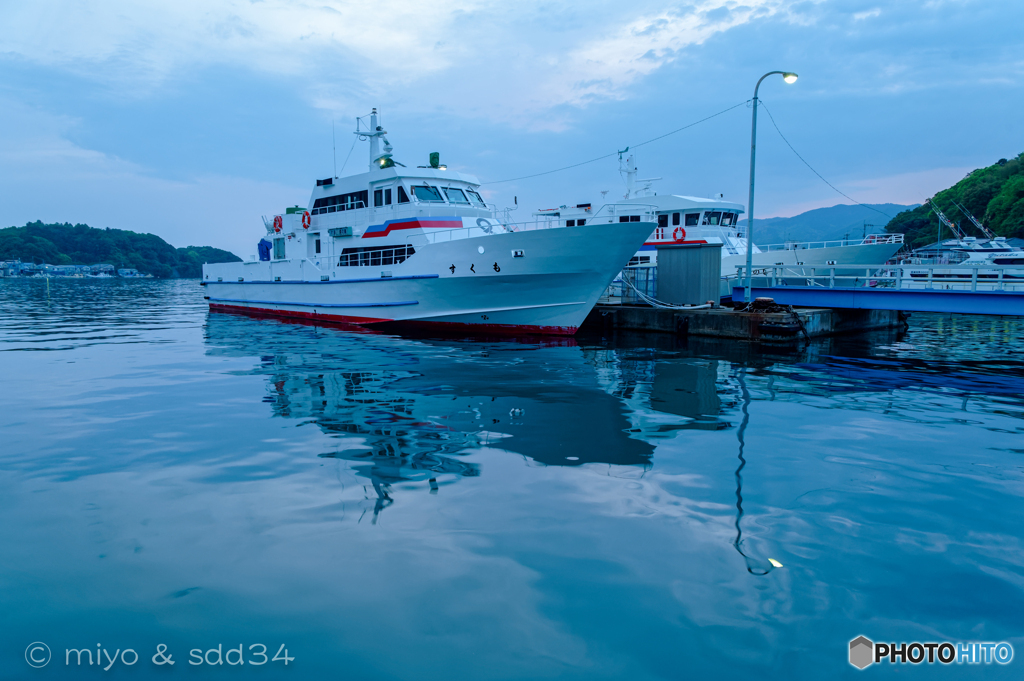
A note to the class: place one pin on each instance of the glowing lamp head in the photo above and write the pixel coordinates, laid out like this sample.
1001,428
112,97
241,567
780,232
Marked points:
789,77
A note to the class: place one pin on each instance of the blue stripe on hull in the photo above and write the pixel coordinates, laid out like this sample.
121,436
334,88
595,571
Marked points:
283,302
335,281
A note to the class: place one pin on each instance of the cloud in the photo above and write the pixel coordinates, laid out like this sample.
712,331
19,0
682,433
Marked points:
339,53
103,190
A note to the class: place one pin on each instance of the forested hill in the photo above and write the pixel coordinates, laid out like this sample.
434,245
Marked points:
84,245
994,195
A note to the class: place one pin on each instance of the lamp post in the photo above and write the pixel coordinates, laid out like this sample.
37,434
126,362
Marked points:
789,78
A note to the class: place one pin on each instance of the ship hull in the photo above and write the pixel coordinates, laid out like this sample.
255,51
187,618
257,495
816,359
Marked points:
472,282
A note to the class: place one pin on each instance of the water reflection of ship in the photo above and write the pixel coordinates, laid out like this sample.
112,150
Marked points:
412,410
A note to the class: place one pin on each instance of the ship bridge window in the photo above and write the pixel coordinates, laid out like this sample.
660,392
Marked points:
402,196
427,194
712,218
455,195
663,220
476,198
727,219
675,219
691,219
350,201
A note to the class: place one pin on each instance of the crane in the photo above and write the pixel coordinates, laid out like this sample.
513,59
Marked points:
946,221
984,230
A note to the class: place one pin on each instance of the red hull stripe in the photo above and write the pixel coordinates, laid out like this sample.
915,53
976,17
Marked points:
344,319
491,329
415,223
481,329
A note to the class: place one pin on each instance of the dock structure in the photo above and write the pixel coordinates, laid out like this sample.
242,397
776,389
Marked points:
962,288
905,300
766,322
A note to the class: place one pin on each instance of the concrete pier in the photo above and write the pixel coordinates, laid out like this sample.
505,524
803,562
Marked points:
802,323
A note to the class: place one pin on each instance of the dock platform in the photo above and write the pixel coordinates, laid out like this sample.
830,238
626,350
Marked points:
758,325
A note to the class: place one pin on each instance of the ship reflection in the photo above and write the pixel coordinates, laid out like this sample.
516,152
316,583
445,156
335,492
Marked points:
422,412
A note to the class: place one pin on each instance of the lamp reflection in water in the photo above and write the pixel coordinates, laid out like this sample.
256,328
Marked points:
754,566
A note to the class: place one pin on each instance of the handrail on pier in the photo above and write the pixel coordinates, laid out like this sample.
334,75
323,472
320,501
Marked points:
991,277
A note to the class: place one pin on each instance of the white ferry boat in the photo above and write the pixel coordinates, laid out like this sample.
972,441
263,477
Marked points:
421,246
689,220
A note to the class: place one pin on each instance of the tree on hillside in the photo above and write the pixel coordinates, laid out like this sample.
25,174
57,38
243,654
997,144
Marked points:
66,244
994,195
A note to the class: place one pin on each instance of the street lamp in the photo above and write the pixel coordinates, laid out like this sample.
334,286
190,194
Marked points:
789,78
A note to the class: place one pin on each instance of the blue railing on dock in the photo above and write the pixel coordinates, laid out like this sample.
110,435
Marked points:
959,288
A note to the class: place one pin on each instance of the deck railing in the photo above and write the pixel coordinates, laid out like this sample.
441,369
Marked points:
927,277
806,245
609,213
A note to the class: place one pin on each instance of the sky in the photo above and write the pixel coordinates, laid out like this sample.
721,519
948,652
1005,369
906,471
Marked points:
192,119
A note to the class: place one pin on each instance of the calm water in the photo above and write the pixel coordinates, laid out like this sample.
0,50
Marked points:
397,507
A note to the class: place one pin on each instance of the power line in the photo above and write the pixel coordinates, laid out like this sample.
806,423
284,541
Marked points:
772,119
632,146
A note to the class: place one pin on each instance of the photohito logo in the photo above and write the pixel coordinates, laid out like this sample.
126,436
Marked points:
37,654
864,652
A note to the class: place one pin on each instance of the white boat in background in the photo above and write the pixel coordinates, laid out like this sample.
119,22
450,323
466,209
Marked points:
692,220
976,265
420,246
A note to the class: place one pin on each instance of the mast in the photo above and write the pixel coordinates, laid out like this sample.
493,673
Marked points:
375,134
628,166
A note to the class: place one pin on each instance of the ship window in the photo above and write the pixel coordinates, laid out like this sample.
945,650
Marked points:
580,223
712,218
727,219
634,218
675,219
476,197
663,220
455,195
375,256
318,245
691,219
387,196
378,197
427,194
402,196
570,223
330,204
278,249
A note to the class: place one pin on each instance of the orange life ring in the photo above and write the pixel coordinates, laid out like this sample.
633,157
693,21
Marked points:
678,234
278,222
305,220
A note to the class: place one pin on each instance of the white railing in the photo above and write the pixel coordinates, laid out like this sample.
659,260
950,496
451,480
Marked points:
806,245
607,214
961,277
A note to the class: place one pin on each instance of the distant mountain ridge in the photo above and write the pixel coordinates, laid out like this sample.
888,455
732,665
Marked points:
827,224
66,244
994,195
